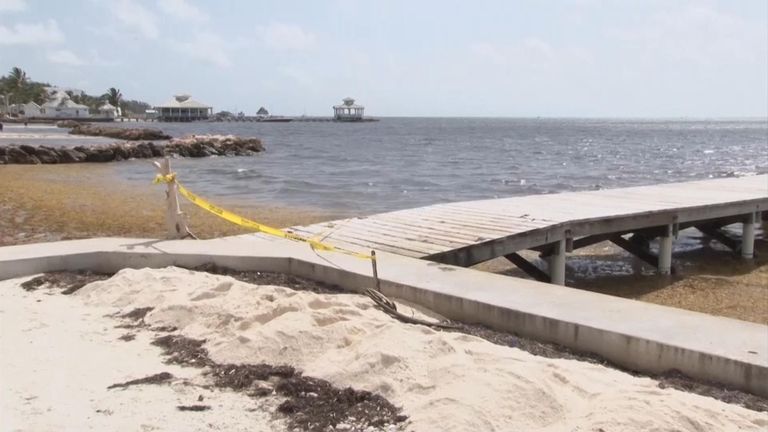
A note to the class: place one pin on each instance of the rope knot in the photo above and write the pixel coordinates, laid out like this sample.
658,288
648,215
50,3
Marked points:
167,178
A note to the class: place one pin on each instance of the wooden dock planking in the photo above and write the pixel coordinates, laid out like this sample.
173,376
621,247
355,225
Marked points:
500,217
366,240
511,224
385,229
448,225
465,232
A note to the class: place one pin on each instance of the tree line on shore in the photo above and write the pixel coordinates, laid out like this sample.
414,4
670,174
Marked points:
18,88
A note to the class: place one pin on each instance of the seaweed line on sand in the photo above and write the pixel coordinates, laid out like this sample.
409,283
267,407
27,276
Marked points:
310,404
158,378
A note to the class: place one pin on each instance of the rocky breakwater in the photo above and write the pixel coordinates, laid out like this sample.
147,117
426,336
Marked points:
68,123
132,134
192,146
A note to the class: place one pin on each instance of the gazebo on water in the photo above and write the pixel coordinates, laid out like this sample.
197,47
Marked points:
348,111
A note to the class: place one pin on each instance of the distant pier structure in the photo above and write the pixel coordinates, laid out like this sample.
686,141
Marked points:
348,111
183,108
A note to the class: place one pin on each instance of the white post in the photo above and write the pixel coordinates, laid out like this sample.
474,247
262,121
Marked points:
174,218
665,251
557,264
748,237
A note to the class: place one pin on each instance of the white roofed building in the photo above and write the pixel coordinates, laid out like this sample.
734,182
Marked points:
60,105
29,109
183,108
109,111
348,111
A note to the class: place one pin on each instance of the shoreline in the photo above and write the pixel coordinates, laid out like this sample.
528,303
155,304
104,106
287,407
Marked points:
61,202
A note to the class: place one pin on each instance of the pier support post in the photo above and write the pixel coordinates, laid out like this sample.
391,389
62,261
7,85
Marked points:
557,263
665,251
748,236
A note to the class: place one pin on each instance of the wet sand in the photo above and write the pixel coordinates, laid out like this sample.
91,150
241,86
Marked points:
58,202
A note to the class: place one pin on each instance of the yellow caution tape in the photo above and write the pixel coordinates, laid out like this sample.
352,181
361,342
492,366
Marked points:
247,223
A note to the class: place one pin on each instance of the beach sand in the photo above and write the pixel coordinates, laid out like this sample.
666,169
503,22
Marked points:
55,202
65,352
58,357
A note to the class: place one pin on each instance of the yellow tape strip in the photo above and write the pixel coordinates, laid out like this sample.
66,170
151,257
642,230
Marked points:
247,223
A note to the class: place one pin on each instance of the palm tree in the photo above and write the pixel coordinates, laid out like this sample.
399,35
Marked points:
18,76
113,96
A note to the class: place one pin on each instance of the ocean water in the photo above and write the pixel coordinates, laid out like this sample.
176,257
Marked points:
399,163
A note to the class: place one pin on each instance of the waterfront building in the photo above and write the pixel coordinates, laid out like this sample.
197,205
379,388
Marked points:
29,109
262,113
183,108
348,111
61,106
109,111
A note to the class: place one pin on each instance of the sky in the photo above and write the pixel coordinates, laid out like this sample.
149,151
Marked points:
431,58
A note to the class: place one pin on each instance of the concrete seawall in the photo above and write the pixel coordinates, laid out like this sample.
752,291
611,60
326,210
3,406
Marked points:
634,335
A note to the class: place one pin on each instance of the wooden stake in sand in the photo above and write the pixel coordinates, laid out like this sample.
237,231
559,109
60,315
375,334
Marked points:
375,271
174,218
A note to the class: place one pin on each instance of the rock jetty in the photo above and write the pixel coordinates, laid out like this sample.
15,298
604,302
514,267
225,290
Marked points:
67,123
192,146
133,134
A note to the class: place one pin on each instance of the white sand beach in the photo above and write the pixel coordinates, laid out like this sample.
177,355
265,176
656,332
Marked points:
59,354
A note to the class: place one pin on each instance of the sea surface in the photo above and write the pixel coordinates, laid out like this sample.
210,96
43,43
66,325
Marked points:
395,163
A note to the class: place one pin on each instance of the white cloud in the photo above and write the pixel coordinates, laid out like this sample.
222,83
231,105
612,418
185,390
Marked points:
181,9
206,47
70,58
530,52
65,57
31,34
301,76
136,17
287,37
12,5
695,33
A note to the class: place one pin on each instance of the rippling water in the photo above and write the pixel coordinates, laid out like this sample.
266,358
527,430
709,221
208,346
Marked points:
406,162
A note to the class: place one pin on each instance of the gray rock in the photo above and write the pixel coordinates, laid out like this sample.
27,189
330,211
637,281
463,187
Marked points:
67,123
47,155
28,149
120,151
142,151
100,154
15,155
71,156
158,150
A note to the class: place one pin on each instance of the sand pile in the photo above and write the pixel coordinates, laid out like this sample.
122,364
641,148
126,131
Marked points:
63,367
443,381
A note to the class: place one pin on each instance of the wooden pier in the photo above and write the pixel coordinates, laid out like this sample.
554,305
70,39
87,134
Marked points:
468,233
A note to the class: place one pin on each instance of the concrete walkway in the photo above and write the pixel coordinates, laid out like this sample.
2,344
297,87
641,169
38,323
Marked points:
633,334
